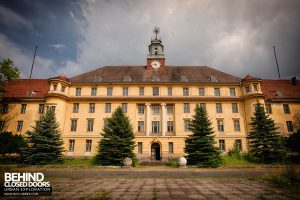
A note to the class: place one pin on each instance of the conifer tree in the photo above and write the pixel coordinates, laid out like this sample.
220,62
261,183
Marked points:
44,142
265,143
117,142
200,145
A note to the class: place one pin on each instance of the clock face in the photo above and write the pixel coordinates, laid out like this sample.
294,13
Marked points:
155,64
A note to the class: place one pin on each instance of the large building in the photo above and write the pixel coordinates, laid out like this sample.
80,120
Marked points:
159,100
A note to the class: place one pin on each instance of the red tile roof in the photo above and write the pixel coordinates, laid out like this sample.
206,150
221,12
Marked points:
248,78
18,88
281,89
61,77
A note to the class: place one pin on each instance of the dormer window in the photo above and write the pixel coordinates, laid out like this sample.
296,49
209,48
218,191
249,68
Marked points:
62,88
54,87
255,87
247,88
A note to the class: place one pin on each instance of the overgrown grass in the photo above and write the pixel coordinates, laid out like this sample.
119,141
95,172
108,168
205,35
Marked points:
78,161
235,161
288,179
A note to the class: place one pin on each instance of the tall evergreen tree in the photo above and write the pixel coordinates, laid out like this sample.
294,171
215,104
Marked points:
265,143
117,142
200,145
44,142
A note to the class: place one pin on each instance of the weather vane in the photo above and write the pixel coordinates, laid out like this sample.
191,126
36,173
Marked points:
156,31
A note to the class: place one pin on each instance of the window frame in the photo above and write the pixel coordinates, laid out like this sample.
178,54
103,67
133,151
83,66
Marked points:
217,92
186,108
93,91
124,107
219,108
155,91
73,125
220,125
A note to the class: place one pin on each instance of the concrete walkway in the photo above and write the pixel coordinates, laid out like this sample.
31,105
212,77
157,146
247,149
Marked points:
163,183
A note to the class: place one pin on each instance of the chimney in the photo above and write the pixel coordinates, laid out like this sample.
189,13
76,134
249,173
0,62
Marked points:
294,80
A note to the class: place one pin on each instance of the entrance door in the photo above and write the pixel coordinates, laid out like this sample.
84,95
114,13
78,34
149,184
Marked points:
155,151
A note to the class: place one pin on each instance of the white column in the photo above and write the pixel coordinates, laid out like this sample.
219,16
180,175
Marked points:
163,114
147,119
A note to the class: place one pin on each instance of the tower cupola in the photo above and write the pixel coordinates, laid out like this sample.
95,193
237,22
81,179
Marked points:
156,56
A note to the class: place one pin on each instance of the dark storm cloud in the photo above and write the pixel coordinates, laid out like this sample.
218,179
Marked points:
233,36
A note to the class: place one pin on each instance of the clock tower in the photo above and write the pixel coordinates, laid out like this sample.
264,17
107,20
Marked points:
156,56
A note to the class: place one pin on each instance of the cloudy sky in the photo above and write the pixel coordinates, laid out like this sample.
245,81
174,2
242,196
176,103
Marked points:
234,36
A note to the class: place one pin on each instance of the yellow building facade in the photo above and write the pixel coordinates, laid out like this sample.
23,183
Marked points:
158,99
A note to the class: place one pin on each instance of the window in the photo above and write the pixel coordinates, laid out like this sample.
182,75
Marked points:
92,108
73,124
286,108
141,108
203,105
232,92
155,91
268,108
289,125
238,144
54,87
218,107
4,108
2,123
142,91
220,125
63,88
155,109
88,146
234,108
41,108
169,108
222,145
140,147
170,91
107,107
51,108
23,108
71,145
186,92
201,92
124,107
187,123
78,91
140,126
109,91
236,124
217,91
90,126
125,91
155,126
170,126
255,87
186,108
171,147
247,88
19,126
75,107
93,91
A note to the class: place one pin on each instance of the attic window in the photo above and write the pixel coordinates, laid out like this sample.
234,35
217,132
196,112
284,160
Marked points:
183,78
212,79
127,79
278,94
155,79
97,78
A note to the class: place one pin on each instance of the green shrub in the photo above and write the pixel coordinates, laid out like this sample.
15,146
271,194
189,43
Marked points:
173,162
215,161
235,152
